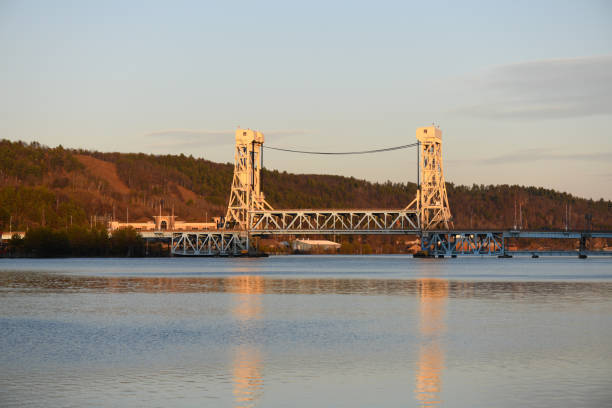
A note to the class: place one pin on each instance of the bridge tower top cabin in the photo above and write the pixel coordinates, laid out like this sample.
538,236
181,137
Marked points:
246,194
432,201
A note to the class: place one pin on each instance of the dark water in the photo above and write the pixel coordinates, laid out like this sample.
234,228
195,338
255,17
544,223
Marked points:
383,331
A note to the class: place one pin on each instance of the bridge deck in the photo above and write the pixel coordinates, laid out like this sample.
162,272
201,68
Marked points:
304,222
557,234
552,234
559,253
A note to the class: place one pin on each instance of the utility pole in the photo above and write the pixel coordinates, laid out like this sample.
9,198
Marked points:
588,218
418,164
11,226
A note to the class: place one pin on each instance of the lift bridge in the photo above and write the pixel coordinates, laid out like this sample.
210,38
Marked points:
427,216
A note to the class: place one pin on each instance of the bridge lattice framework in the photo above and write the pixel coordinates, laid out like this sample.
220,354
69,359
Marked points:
249,214
429,209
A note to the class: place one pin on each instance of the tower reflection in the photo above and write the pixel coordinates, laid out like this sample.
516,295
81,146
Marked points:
247,360
432,307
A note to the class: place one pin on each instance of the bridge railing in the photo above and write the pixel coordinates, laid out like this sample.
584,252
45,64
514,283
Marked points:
346,221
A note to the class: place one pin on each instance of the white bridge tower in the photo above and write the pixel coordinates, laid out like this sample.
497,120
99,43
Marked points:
431,201
246,194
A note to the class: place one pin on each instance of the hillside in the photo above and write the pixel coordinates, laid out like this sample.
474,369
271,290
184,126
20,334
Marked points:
57,186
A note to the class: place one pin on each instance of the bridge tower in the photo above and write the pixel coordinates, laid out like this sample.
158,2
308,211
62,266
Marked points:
246,194
431,200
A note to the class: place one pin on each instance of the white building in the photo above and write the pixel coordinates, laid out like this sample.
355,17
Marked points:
163,223
307,245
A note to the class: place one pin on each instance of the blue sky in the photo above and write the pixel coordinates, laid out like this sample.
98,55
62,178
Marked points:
521,89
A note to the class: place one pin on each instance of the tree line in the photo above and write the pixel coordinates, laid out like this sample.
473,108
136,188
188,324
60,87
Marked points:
46,242
48,187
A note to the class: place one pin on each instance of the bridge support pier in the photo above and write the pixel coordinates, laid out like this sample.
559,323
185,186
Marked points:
583,246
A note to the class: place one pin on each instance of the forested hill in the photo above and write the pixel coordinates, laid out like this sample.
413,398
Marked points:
56,186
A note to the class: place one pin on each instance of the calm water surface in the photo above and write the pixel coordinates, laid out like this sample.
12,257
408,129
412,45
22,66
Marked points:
304,331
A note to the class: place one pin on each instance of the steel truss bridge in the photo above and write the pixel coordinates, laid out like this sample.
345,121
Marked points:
434,243
427,216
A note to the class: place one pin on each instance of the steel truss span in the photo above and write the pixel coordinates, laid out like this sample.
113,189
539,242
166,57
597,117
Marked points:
285,222
209,243
452,243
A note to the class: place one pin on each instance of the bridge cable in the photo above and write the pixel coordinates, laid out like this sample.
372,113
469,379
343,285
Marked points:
386,149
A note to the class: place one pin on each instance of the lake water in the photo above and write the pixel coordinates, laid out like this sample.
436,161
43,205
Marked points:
306,331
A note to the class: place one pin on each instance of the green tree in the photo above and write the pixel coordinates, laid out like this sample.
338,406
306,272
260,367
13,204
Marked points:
127,242
45,242
88,242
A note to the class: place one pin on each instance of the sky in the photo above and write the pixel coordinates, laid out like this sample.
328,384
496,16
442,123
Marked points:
522,90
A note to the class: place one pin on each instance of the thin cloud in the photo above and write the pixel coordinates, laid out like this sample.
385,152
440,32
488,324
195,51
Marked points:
534,155
607,176
540,154
178,140
556,88
194,133
186,133
181,145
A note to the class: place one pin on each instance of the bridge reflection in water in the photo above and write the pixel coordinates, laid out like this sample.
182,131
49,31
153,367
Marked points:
432,294
246,308
247,361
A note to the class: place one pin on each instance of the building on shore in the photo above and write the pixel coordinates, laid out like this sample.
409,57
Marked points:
165,223
308,245
5,236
